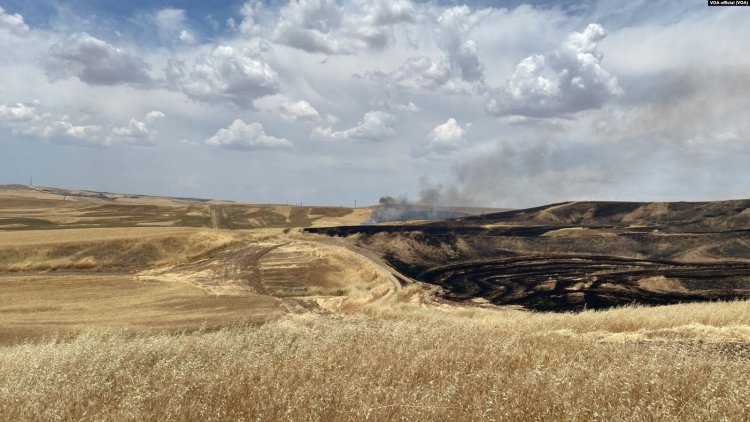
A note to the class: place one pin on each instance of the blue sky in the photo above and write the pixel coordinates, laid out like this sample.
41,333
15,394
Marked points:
504,104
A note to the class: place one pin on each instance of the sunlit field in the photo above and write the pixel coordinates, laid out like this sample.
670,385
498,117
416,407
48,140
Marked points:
399,360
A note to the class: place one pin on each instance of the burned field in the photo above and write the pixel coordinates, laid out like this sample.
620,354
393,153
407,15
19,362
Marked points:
576,255
560,283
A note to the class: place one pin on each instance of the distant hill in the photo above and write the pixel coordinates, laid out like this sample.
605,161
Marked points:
72,194
44,208
669,216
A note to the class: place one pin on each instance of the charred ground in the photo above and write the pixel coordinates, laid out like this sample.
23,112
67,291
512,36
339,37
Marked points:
576,255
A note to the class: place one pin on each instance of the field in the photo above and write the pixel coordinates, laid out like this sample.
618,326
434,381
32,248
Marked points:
230,312
576,255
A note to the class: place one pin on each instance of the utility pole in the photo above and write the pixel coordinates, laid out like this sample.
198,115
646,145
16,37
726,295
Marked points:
31,181
355,203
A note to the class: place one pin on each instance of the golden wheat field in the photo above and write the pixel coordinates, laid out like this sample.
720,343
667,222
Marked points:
399,361
196,323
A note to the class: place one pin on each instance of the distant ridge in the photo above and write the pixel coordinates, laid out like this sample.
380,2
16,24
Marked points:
83,193
672,216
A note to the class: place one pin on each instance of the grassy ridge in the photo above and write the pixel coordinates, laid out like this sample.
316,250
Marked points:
151,248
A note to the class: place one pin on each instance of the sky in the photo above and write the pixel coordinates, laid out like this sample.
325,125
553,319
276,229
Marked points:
483,103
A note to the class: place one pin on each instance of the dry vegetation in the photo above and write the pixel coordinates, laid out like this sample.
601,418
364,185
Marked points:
683,362
107,248
306,268
26,208
105,324
35,307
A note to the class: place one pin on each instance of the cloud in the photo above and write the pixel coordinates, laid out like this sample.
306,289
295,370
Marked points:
457,71
567,81
298,110
445,138
454,24
136,132
96,62
677,115
373,28
329,27
226,75
246,136
29,121
16,112
311,25
410,107
155,115
61,128
248,25
422,73
12,22
374,126
186,37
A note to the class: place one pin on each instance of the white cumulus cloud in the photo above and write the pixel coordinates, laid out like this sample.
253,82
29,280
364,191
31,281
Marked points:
445,138
137,132
13,22
155,115
186,37
61,128
34,122
374,126
569,80
16,112
298,110
226,75
135,129
246,136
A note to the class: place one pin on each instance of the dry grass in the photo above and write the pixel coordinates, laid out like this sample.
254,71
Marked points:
356,217
47,237
303,266
407,363
720,322
36,306
128,249
578,232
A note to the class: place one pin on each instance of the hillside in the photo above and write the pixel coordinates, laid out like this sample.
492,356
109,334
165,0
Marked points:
664,216
44,208
576,255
